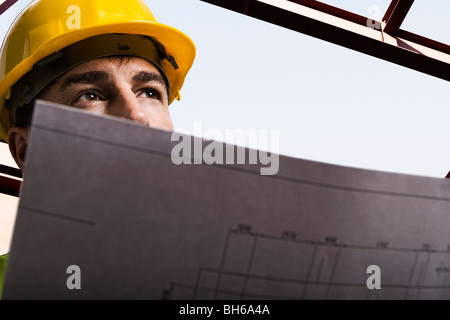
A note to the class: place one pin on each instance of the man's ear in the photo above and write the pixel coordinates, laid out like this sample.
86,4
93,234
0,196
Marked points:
18,141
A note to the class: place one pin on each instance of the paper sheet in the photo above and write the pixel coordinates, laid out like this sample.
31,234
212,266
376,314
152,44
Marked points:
103,194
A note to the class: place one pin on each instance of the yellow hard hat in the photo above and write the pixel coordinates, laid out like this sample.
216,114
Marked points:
46,27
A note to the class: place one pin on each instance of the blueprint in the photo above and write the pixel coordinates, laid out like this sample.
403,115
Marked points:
104,194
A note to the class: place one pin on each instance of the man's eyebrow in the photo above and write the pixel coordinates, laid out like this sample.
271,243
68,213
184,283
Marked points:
86,77
145,76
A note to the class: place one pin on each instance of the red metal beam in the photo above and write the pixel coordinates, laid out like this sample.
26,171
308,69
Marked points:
9,185
10,180
337,12
348,30
10,171
395,14
6,5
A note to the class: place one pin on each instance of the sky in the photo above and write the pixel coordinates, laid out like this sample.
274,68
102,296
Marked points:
327,103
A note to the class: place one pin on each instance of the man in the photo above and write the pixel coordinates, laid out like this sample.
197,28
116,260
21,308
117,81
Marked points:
105,56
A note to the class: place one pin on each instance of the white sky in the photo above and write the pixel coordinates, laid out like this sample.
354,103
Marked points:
329,103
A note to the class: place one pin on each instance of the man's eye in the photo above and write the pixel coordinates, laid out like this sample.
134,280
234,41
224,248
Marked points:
90,96
150,93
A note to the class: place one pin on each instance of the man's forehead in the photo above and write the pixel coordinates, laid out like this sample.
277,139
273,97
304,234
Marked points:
110,65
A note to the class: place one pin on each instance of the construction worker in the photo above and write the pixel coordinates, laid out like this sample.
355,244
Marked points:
104,56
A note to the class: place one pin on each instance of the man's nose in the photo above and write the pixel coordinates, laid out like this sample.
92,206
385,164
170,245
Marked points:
126,105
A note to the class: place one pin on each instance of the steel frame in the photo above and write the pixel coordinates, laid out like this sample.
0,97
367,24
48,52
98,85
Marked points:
381,39
10,185
6,5
395,14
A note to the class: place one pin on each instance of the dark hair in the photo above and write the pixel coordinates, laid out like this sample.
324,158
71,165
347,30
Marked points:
24,114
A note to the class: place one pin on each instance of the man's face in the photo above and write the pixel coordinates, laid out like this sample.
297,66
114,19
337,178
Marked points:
130,88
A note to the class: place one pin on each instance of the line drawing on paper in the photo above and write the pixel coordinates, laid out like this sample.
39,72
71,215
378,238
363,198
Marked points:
286,267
